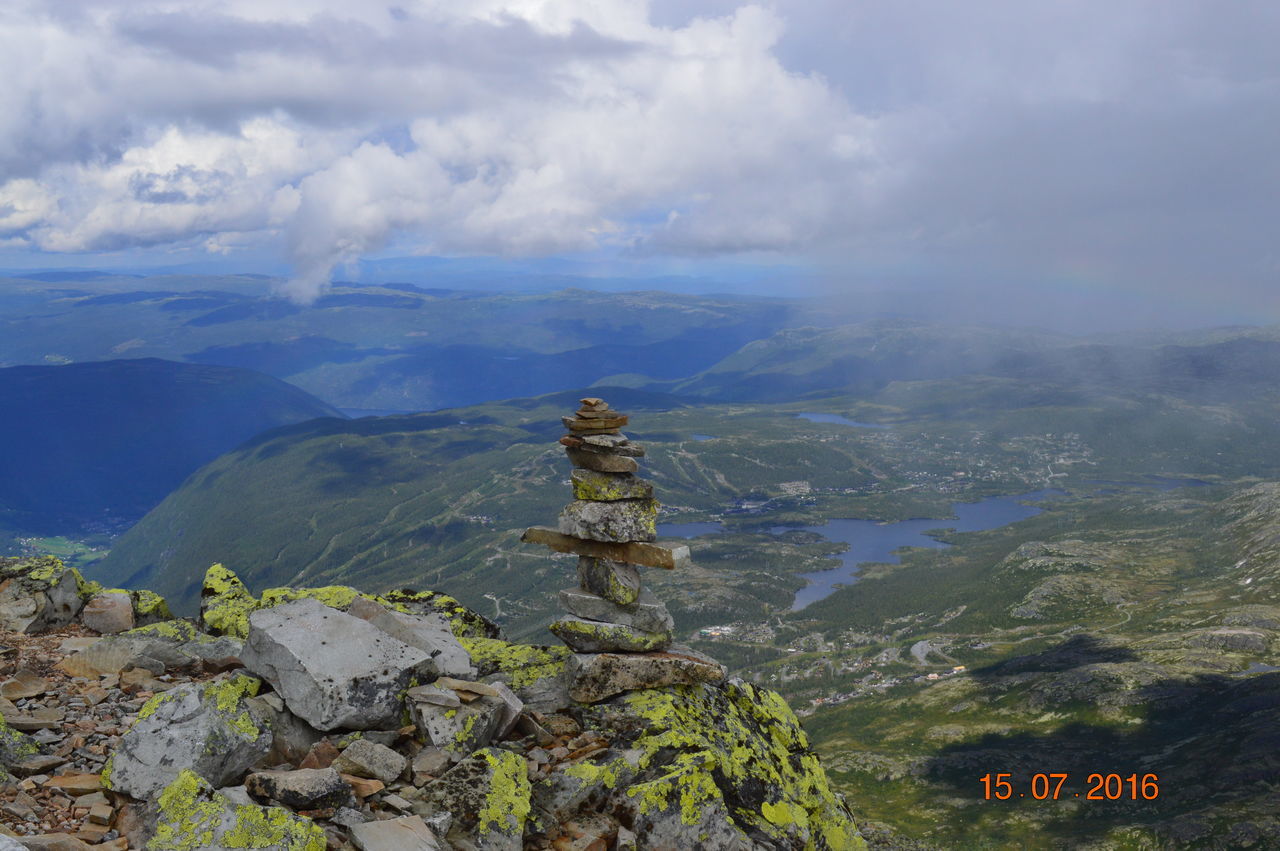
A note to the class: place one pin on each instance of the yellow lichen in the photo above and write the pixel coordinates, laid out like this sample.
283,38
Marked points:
260,827
155,702
746,737
228,697
149,604
524,664
188,817
175,630
508,801
226,603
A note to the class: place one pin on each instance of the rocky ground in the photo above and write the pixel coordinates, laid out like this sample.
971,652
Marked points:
325,719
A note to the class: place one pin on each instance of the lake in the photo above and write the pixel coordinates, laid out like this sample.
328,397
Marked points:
837,420
874,542
870,541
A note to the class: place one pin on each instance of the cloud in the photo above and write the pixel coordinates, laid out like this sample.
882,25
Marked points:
1123,142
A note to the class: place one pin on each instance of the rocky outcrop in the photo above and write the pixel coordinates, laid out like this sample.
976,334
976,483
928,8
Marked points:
332,731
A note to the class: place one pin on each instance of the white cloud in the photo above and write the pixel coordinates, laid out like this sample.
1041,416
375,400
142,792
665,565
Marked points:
979,135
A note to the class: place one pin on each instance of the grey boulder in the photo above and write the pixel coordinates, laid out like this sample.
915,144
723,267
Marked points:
410,833
37,594
618,522
207,728
428,632
332,669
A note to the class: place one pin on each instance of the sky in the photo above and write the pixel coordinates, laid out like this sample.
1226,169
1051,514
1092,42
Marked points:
1113,147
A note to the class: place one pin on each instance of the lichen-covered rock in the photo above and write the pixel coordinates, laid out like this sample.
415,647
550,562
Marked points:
647,613
149,607
584,636
190,816
459,730
535,672
40,593
618,522
615,581
596,676
225,603
608,487
720,767
302,789
108,612
332,669
430,633
489,795
463,621
174,644
207,728
15,746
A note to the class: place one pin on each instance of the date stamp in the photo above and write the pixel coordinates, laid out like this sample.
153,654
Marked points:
1050,787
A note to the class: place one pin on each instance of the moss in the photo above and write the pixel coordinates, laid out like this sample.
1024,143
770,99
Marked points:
189,818
258,827
226,603
524,664
738,744
508,801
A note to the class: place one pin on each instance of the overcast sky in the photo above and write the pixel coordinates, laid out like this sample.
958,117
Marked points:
1117,145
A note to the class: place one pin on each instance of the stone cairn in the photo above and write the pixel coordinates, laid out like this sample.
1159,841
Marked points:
621,634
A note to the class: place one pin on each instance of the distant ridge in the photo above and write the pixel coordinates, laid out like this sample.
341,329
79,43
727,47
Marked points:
114,437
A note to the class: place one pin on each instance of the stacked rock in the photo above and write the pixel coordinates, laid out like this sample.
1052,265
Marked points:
611,525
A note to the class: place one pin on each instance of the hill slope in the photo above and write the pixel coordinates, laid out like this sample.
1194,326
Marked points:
114,437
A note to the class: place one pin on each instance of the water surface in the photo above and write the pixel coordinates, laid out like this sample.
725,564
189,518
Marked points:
870,541
837,420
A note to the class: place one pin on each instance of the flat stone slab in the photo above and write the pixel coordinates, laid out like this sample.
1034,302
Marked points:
302,788
599,676
647,613
410,833
584,636
667,556
600,461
